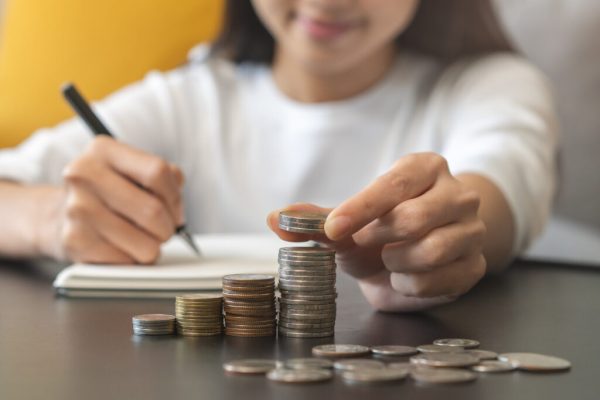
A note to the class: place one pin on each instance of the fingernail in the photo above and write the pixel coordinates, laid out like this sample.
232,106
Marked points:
337,227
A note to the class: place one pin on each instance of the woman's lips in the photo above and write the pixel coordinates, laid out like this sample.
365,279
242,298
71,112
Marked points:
323,30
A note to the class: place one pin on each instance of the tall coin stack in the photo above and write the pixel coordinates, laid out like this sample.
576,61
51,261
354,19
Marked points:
249,304
199,314
307,305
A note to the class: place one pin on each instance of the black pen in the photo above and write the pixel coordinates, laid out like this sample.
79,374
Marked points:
82,108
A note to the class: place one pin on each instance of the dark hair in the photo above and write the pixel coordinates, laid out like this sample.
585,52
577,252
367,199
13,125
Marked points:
445,29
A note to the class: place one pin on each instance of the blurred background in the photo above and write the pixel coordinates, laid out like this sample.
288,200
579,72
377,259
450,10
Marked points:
44,42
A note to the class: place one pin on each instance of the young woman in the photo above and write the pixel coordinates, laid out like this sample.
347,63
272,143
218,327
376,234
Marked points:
433,143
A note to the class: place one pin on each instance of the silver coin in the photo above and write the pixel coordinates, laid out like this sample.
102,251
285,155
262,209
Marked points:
445,359
301,230
316,318
308,363
302,334
307,326
312,278
463,343
442,375
153,318
306,251
494,366
483,354
299,375
434,348
306,264
374,375
340,350
251,366
401,365
535,362
394,350
302,225
358,363
308,307
301,215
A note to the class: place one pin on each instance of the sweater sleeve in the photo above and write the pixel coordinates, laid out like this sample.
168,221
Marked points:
138,115
501,124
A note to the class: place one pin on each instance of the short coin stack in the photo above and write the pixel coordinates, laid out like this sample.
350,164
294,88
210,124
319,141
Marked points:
199,314
249,303
153,324
307,306
302,221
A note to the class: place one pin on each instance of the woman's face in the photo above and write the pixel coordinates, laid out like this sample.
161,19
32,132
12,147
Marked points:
331,35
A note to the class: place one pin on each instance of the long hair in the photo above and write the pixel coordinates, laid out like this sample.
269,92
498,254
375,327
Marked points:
444,29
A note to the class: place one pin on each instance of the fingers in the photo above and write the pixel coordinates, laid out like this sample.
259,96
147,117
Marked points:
152,202
83,244
147,170
439,247
123,197
453,279
410,177
113,229
381,295
412,219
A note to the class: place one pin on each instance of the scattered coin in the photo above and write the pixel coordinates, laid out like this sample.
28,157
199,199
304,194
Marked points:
494,366
463,343
394,350
445,359
251,366
341,350
434,348
374,375
535,362
442,375
299,375
357,364
308,363
483,354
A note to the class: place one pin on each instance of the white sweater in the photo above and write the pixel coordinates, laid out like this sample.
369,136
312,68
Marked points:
247,149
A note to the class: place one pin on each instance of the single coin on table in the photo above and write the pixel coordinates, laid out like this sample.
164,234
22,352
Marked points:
251,366
442,375
483,354
463,343
308,363
299,375
340,350
434,348
394,350
374,375
445,360
493,366
357,364
535,362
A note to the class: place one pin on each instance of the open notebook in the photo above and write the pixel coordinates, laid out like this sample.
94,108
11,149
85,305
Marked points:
178,269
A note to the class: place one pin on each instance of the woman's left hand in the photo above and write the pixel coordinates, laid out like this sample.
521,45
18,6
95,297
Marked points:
412,238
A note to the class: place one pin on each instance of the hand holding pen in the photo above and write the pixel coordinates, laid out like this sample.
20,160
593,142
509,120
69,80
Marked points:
121,203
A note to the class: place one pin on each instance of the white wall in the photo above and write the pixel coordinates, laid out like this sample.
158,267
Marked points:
562,38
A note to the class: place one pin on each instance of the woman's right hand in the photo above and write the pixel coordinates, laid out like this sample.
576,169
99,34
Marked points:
117,207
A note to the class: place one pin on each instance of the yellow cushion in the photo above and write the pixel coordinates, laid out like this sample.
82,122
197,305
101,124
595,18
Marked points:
100,45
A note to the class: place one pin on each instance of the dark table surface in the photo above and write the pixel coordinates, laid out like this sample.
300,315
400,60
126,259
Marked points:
59,348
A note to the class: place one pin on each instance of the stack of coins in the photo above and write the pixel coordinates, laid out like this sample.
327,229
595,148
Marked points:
199,314
302,221
307,306
249,303
153,324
